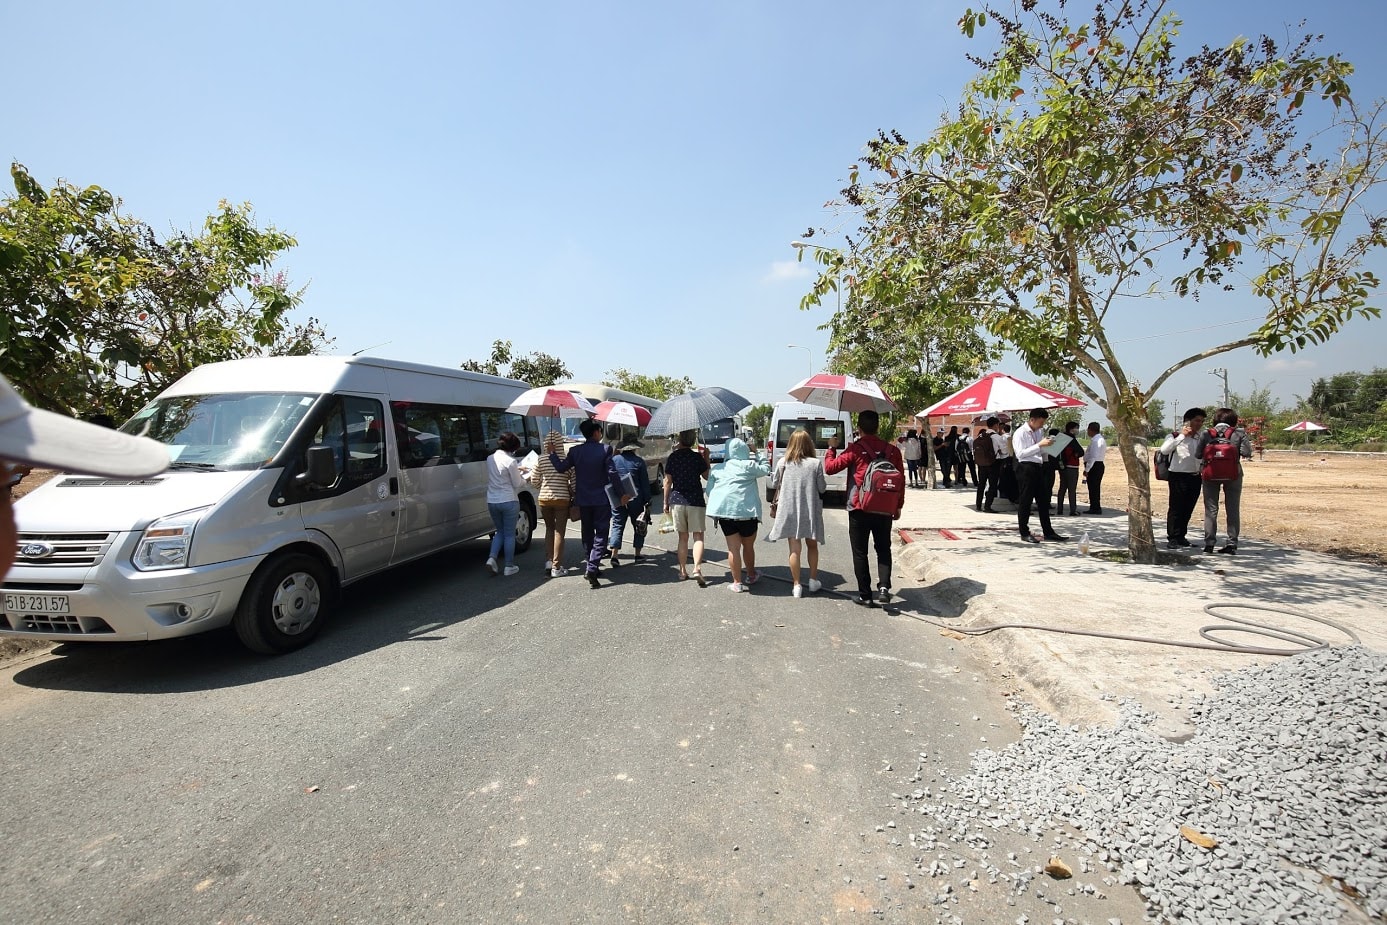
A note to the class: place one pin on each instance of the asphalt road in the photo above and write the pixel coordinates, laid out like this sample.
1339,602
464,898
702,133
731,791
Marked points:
462,748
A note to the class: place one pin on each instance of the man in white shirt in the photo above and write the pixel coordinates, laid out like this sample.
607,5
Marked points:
1093,467
1028,444
1186,487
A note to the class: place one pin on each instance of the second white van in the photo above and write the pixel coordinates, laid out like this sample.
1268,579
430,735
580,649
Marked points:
822,424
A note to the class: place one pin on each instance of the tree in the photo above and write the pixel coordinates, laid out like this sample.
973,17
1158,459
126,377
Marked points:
101,314
538,369
758,418
661,387
1088,167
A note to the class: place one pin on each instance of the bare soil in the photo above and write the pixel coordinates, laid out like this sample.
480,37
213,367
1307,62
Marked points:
1333,503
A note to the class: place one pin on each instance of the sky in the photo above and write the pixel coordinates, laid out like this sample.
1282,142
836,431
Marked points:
613,183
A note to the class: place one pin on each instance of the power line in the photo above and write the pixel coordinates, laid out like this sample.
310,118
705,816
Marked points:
1208,327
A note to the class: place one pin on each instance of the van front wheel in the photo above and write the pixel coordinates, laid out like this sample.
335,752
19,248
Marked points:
284,605
524,526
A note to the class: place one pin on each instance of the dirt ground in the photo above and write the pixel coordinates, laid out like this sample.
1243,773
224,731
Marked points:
1334,503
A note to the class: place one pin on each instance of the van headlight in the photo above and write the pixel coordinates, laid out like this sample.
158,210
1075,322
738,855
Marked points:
165,543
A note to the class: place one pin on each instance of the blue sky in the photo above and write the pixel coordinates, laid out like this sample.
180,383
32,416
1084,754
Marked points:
616,184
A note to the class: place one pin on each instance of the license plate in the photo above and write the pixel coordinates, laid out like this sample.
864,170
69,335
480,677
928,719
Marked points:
36,603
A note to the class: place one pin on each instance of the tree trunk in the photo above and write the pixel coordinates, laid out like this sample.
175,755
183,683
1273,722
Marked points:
1136,457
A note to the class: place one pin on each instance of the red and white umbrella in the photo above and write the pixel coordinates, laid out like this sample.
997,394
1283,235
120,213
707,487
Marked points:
842,393
622,412
550,402
999,392
1306,425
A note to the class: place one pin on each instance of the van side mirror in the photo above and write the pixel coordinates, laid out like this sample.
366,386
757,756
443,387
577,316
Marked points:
322,467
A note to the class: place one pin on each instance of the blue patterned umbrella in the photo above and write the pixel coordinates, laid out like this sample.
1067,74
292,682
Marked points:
694,409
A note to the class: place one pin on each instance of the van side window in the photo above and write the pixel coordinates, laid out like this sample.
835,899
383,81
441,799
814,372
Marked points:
431,435
495,423
353,427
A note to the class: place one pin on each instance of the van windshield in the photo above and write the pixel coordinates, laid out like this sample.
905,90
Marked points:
718,431
242,431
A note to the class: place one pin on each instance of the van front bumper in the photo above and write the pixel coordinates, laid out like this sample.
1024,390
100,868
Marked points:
114,602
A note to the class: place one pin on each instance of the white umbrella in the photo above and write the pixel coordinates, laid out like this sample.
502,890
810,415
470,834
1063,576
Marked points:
546,402
999,392
842,393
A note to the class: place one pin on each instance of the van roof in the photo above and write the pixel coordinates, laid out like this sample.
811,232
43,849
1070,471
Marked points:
319,374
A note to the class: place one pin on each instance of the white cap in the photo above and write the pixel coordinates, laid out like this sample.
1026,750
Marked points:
53,441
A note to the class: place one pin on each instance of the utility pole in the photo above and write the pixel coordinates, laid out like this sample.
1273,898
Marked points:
1222,373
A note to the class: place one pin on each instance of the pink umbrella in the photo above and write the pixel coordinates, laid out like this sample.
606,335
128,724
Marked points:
1306,425
621,412
842,393
999,392
550,402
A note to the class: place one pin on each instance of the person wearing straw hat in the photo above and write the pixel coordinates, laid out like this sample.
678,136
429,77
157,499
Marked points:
32,437
556,494
629,463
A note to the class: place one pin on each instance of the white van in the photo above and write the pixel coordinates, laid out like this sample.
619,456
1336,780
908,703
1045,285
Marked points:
291,477
822,424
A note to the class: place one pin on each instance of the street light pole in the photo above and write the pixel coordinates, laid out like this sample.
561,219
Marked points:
1223,373
802,347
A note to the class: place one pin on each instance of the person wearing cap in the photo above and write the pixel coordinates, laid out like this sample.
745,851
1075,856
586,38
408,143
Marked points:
32,437
629,463
591,462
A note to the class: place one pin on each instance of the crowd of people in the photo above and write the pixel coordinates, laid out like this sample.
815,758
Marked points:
606,489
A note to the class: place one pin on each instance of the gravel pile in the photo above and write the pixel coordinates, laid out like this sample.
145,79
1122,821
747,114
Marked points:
1274,810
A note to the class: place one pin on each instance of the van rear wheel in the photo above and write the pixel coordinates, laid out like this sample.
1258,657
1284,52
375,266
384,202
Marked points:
524,526
284,605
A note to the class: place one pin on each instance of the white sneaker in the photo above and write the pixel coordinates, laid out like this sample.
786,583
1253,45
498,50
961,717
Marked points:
736,587
511,570
491,564
548,564
815,585
797,591
556,573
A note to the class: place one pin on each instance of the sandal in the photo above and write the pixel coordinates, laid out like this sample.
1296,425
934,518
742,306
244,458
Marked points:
683,575
702,582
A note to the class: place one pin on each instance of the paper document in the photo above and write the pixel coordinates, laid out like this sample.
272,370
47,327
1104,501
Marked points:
1061,441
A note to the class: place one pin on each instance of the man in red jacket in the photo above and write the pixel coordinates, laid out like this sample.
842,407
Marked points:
864,524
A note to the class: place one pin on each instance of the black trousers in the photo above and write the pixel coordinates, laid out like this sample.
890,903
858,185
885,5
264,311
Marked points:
1006,478
987,484
1186,489
864,526
1032,488
1095,488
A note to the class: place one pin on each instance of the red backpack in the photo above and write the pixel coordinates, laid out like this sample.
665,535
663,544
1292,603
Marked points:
882,488
1220,456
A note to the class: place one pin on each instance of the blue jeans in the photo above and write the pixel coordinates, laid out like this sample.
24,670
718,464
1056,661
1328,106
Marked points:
503,518
620,515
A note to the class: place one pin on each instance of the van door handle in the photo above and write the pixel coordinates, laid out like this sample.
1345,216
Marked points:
394,485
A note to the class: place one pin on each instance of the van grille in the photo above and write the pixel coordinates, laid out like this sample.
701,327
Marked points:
63,550
67,624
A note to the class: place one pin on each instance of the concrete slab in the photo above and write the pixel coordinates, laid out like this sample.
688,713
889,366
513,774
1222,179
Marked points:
971,572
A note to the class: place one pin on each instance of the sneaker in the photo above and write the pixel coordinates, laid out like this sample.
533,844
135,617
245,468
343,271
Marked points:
592,580
736,587
556,573
511,570
615,561
883,596
815,585
753,577
797,591
491,564
548,564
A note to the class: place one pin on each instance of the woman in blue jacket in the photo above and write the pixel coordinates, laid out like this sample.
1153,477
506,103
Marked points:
628,462
735,506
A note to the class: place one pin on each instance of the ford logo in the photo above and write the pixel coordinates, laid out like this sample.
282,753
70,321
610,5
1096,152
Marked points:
36,550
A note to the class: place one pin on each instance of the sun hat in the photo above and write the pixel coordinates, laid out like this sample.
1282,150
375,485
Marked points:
35,437
630,444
